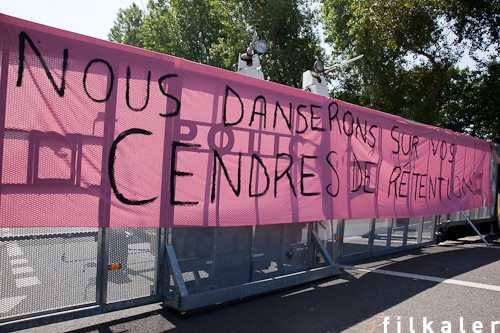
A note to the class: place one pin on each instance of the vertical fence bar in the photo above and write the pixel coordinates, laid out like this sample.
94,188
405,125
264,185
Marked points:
340,229
405,233
389,232
420,231
105,199
102,265
435,219
160,259
371,236
252,247
165,271
166,210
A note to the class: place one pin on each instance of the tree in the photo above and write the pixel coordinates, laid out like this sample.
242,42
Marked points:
389,33
288,26
190,29
127,28
410,47
214,32
476,21
469,103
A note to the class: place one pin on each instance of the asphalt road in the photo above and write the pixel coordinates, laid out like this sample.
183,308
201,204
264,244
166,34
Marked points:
454,287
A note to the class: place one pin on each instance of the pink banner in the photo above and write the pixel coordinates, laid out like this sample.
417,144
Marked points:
95,133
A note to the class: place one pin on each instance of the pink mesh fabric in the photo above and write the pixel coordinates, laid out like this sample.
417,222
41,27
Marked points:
95,133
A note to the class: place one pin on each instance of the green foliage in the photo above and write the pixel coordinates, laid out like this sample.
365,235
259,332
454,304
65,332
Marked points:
475,20
190,29
470,102
411,51
127,28
288,27
389,34
411,48
214,32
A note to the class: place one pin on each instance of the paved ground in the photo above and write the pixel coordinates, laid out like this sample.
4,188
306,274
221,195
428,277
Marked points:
446,288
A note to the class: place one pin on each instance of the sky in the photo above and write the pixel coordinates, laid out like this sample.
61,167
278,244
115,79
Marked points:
93,18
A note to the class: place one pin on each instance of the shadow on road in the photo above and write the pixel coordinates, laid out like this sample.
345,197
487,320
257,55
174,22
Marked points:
330,305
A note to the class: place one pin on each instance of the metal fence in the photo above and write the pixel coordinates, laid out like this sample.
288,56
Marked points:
212,265
48,270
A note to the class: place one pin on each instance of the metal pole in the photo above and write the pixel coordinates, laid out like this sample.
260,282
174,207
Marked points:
102,266
333,240
329,69
473,227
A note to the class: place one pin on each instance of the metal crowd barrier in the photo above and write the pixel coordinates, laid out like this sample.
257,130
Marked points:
56,270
